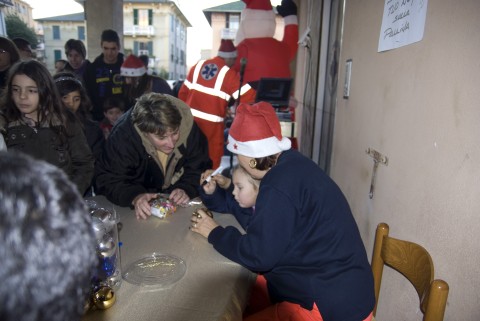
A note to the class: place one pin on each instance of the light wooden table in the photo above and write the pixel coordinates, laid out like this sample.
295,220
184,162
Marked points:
213,287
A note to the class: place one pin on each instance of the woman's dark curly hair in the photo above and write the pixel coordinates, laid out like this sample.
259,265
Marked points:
264,163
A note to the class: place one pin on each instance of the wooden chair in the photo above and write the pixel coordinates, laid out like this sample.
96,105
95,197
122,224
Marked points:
413,262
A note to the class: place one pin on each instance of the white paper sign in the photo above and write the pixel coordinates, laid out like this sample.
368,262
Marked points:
403,23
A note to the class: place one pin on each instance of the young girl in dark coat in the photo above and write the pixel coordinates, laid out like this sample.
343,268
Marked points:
33,121
74,97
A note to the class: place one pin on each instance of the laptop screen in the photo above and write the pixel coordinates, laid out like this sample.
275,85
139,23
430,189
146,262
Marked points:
275,91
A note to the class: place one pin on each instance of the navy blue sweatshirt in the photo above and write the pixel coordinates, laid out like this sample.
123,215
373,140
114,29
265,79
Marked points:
305,241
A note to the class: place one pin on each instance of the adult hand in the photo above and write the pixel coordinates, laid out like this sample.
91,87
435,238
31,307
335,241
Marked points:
202,223
287,8
142,205
179,196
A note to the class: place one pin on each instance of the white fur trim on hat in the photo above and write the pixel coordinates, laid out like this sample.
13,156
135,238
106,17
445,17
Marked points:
256,132
259,148
229,54
133,67
133,72
227,49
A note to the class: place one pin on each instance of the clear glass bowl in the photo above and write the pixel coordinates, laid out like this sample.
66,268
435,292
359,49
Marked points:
160,270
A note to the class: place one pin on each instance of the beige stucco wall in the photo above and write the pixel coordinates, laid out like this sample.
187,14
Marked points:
418,105
68,30
160,39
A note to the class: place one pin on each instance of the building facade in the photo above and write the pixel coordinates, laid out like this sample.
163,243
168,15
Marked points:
157,29
19,8
54,32
4,4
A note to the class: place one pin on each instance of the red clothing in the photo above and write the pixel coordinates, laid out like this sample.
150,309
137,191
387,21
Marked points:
268,57
260,308
207,90
106,127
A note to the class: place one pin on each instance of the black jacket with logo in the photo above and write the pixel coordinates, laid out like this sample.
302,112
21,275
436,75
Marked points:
102,81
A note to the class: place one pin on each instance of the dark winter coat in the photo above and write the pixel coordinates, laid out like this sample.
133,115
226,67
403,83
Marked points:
305,241
72,155
129,165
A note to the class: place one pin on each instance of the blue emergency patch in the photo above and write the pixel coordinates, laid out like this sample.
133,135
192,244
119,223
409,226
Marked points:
209,71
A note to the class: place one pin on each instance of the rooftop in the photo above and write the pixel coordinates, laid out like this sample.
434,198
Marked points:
232,7
80,16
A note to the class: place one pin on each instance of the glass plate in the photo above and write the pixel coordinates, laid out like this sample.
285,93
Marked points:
161,270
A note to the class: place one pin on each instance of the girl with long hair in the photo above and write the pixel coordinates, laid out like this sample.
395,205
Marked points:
33,121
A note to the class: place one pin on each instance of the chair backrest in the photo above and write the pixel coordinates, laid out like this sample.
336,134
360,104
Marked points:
413,262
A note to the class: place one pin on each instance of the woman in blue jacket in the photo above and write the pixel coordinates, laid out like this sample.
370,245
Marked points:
302,239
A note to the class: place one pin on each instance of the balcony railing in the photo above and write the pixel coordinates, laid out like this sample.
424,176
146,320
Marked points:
228,33
139,30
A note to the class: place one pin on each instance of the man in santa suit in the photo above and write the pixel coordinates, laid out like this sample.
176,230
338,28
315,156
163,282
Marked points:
209,86
266,57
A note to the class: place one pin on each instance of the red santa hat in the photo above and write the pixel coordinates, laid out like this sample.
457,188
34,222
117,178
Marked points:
256,21
256,132
258,4
133,67
227,49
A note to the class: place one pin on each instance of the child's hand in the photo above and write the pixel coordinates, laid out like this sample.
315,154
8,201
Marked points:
222,181
219,179
209,187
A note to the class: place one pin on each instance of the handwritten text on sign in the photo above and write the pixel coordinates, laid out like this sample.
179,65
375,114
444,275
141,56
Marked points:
403,23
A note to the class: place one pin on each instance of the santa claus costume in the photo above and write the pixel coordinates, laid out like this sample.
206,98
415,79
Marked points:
266,57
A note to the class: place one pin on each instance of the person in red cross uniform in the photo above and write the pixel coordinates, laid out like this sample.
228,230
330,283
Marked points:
208,89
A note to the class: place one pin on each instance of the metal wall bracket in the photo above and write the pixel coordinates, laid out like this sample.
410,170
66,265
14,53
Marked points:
378,158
